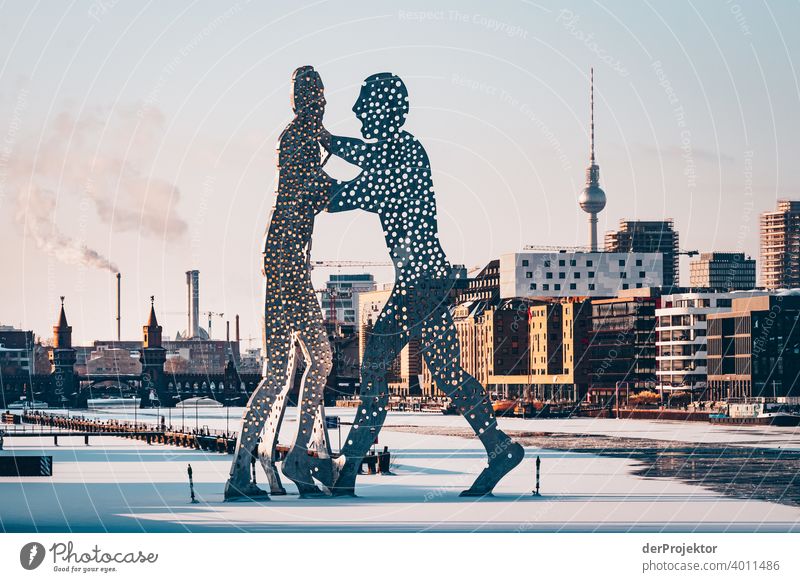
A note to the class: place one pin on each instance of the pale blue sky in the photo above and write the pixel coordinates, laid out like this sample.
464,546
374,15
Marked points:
194,94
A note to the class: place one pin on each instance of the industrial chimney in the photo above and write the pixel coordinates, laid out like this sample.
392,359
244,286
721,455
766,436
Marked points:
237,329
119,306
193,289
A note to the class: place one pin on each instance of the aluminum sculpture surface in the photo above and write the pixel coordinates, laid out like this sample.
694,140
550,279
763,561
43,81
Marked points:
292,317
396,184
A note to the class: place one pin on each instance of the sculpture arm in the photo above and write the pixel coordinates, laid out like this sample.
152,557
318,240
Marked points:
319,190
350,149
353,194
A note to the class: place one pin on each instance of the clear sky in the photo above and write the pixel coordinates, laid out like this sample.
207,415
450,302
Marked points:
146,131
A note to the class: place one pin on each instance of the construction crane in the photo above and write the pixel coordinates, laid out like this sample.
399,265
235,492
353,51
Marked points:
210,315
341,264
579,249
333,295
558,249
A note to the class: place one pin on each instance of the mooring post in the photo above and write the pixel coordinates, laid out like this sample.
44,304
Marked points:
191,483
538,469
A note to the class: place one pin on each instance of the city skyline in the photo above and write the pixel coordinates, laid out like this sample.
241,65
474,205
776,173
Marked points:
170,164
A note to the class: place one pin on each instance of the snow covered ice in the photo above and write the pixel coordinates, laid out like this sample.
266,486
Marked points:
123,485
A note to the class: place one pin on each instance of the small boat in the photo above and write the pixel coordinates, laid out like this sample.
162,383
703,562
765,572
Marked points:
113,402
757,412
449,410
503,407
199,402
26,405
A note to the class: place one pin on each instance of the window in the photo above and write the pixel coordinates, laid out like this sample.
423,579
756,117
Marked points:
528,275
591,286
547,263
624,285
572,286
638,262
577,274
549,276
642,274
589,263
533,286
561,263
638,285
557,286
622,262
524,262
623,275
562,275
572,263
591,274
545,287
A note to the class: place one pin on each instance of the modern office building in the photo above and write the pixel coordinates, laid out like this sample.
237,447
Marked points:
622,346
577,274
731,271
780,246
494,345
16,351
340,297
483,286
681,340
559,338
754,349
648,236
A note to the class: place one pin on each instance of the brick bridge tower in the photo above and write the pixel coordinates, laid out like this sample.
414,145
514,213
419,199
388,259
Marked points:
63,386
153,358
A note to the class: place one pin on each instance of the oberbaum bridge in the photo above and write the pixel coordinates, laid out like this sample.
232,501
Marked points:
64,387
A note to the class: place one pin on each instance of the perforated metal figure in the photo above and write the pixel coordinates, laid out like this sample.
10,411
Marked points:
396,184
292,316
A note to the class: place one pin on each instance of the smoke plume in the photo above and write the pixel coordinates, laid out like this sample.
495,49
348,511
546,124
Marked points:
101,163
35,212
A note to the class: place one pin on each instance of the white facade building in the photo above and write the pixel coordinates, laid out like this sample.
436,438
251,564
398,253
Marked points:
681,344
581,274
342,291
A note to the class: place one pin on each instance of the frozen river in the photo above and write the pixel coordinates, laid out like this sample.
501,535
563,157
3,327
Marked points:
597,475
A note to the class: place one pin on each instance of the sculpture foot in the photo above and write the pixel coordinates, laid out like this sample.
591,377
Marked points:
344,484
312,494
499,466
322,470
244,492
470,493
296,467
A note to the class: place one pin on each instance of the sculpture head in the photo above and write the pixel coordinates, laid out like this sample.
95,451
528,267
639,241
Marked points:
308,95
382,105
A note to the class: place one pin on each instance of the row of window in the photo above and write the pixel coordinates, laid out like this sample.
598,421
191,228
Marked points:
574,263
577,275
573,286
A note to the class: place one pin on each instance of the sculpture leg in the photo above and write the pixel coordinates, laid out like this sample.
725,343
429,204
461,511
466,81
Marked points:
442,353
267,453
269,392
384,344
300,466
